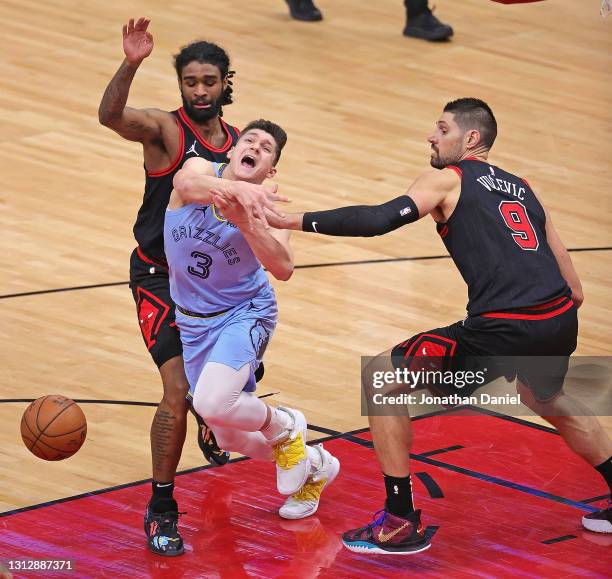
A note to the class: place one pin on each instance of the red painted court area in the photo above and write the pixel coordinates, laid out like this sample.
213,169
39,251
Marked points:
503,498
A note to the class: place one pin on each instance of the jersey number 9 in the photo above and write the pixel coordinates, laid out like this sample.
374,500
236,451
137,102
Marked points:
516,219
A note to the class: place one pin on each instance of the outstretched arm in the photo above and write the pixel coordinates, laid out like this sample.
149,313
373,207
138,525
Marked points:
426,193
131,124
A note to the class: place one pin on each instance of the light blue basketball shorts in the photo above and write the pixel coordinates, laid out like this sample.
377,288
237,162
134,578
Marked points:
237,337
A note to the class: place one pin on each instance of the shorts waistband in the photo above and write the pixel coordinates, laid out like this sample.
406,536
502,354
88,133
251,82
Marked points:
198,315
147,259
548,310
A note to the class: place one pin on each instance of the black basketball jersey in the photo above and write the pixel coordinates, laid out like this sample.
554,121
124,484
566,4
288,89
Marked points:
149,226
496,237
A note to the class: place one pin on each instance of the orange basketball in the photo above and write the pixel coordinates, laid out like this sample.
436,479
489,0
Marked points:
53,427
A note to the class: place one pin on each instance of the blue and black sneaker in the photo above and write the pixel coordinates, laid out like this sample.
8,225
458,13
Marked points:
162,529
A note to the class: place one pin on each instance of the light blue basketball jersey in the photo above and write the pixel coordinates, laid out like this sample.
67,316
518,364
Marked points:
211,265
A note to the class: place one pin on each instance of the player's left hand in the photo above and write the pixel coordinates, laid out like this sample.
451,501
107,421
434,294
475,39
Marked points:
236,213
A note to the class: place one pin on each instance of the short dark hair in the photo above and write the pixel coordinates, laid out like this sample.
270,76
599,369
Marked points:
209,53
277,133
471,113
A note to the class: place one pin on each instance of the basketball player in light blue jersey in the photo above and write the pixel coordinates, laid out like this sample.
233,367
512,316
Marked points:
227,312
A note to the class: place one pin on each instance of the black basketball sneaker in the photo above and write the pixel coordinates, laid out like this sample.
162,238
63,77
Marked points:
208,443
162,530
304,10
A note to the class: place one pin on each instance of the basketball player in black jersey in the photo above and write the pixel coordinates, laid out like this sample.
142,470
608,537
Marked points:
523,297
168,140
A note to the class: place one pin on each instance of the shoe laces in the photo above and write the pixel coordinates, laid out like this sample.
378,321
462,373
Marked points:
168,521
311,491
289,453
378,518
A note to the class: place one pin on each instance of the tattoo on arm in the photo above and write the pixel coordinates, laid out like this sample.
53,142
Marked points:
116,94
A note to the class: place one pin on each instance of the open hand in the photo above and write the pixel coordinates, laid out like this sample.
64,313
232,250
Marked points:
137,42
255,201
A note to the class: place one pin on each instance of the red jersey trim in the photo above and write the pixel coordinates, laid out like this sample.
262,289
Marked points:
178,158
203,142
524,316
456,170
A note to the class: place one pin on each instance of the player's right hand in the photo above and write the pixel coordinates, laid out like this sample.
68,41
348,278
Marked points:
137,42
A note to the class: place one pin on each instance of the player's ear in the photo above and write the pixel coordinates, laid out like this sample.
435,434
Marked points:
271,173
229,153
472,139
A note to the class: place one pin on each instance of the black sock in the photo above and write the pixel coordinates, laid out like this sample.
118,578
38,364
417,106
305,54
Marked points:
415,7
162,499
399,495
605,469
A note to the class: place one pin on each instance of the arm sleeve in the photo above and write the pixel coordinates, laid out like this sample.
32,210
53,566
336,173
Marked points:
362,220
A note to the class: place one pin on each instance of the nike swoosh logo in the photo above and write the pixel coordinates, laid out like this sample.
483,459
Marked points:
314,223
384,537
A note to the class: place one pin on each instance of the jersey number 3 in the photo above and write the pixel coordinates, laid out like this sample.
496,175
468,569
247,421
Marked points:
202,266
516,219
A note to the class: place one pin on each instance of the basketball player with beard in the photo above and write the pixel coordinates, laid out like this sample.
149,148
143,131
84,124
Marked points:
523,297
168,139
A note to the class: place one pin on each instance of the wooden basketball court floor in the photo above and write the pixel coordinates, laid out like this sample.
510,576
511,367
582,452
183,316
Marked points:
503,496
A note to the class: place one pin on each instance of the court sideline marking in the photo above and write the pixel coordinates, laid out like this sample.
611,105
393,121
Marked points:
304,266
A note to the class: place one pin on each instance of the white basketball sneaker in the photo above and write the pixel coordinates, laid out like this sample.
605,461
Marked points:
599,522
292,463
306,501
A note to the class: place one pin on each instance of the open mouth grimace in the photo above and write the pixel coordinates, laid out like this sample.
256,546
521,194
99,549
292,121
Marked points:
248,161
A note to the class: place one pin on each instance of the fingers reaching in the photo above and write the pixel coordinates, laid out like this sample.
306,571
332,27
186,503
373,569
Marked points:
141,26
273,195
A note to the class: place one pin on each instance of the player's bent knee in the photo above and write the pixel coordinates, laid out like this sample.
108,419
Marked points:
175,396
374,372
212,413
173,378
212,409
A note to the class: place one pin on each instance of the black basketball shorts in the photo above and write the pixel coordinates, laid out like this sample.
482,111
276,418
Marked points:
150,287
532,344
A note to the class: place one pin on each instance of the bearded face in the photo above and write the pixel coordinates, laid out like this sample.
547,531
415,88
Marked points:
202,87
